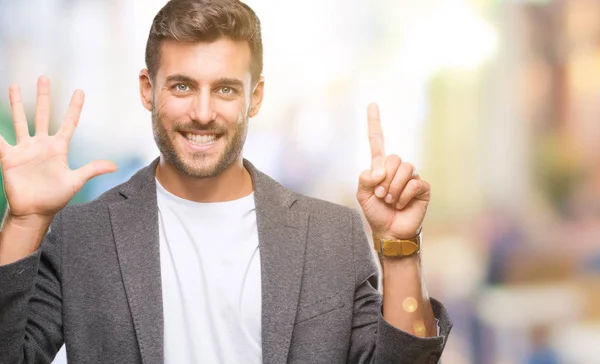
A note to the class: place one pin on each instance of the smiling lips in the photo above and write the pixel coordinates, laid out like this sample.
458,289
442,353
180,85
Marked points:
200,141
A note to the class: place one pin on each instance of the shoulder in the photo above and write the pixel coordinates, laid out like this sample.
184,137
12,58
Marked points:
86,212
270,192
325,209
140,184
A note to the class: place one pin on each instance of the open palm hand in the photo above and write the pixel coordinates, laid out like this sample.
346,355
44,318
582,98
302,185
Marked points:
37,177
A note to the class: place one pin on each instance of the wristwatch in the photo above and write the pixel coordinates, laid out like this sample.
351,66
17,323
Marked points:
397,248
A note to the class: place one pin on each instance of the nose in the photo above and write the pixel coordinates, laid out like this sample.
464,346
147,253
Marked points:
203,107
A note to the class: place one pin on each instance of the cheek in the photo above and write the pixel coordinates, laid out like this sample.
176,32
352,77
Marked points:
173,108
231,111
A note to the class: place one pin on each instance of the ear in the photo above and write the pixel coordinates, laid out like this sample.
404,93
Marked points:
146,89
257,97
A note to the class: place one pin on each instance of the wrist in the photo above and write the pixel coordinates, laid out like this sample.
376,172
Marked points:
394,248
21,236
410,265
33,222
398,237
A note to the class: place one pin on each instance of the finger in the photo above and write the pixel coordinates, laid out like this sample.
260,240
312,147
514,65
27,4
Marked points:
91,170
72,116
415,189
42,107
4,146
18,113
392,163
375,137
405,173
367,182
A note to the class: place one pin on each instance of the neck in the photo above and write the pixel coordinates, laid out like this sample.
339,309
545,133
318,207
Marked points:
233,183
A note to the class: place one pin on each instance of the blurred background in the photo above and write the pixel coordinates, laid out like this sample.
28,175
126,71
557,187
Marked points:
497,103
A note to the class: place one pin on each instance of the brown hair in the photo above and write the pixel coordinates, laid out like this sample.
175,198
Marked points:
205,21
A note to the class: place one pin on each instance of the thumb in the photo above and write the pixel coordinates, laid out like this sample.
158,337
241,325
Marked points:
93,169
369,180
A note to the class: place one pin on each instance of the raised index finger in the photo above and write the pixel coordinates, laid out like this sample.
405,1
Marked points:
375,137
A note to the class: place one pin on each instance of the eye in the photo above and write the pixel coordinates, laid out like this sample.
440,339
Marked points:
226,90
181,87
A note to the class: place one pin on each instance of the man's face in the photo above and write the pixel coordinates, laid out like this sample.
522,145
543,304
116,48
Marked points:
202,98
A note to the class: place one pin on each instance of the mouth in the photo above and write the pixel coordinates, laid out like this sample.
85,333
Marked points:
202,141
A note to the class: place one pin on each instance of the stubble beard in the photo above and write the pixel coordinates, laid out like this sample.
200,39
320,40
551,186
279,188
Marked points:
195,166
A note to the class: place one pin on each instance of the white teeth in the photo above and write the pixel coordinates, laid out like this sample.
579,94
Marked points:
200,139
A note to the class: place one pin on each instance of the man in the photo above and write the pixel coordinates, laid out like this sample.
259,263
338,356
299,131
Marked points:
200,257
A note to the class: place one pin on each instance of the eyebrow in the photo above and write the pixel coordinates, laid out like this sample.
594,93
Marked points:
234,82
180,78
230,82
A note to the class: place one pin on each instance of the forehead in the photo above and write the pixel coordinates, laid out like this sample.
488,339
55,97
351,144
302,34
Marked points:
205,60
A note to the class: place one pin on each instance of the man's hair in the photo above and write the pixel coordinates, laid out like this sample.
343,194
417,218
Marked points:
193,21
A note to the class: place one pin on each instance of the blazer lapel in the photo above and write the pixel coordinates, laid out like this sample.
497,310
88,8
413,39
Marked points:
135,228
282,242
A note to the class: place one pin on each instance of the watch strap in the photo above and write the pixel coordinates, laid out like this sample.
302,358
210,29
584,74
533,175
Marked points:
397,247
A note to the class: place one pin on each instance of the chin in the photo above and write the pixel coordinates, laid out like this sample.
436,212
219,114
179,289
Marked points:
200,170
199,164
208,167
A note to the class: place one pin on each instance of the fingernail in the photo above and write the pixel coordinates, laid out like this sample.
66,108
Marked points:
380,191
388,198
378,173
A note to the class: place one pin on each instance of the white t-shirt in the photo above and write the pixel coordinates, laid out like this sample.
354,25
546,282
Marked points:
210,267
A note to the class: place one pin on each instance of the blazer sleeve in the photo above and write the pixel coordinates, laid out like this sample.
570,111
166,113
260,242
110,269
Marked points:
30,304
373,340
